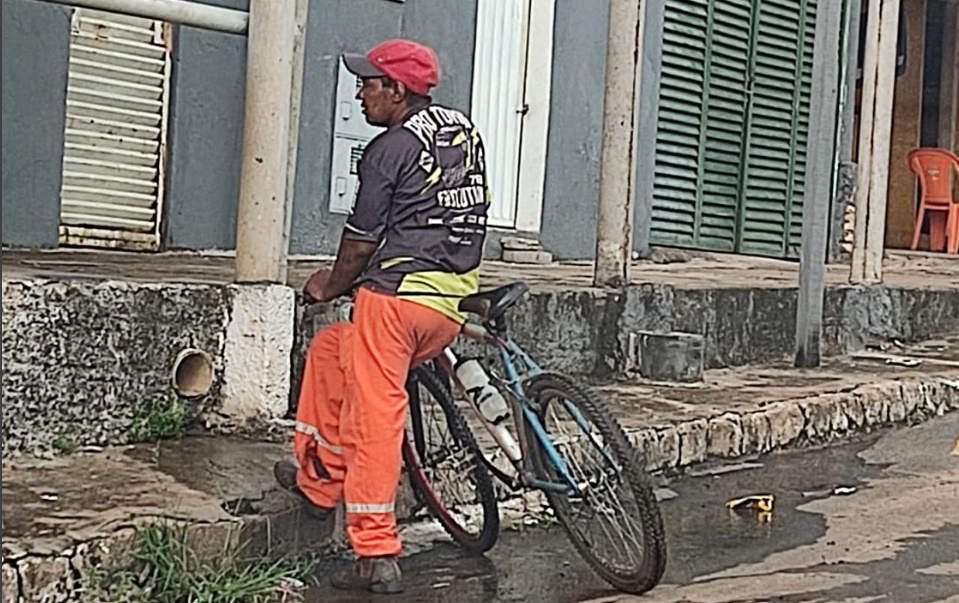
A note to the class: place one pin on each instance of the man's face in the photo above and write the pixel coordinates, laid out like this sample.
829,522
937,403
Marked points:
379,102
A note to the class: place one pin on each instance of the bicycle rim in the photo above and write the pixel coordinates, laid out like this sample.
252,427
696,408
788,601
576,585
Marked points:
445,465
615,524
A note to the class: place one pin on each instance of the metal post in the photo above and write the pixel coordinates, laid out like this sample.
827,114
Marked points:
614,228
296,95
820,175
193,14
261,210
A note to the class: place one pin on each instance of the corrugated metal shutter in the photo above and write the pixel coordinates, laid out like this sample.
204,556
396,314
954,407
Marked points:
724,119
117,98
499,66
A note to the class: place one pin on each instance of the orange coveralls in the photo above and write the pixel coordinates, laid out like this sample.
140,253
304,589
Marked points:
352,410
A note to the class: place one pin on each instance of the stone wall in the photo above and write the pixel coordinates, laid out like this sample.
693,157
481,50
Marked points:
588,332
83,361
793,423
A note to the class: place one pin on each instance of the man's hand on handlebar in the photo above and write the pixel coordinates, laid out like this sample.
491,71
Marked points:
325,285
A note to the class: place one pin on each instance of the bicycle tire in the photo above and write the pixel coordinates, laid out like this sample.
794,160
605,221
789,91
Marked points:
653,561
485,538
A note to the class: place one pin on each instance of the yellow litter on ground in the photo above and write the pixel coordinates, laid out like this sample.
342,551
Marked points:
760,502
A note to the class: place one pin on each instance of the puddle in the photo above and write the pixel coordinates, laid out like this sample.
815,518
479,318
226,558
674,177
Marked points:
704,536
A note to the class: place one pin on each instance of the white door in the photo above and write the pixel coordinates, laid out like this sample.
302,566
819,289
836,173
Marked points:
114,142
498,108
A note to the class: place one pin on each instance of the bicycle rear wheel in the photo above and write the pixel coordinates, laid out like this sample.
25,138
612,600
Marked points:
615,524
445,464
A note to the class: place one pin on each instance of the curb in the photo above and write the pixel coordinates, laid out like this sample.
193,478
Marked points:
797,423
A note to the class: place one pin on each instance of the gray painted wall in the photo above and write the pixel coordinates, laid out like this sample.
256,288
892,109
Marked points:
575,129
651,74
206,126
36,41
207,112
576,126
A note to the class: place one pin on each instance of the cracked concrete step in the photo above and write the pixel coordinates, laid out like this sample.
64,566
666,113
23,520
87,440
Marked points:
61,514
814,420
758,409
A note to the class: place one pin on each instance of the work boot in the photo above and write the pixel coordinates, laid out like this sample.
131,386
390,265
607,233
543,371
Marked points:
379,575
285,474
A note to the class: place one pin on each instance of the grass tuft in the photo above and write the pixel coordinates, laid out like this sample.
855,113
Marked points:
165,419
165,569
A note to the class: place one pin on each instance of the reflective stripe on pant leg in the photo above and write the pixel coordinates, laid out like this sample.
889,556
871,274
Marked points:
312,432
367,508
317,437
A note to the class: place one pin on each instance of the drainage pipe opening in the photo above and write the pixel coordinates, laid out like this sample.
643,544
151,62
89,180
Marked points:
192,373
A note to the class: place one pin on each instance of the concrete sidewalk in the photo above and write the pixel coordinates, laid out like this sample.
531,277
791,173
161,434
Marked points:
61,513
679,268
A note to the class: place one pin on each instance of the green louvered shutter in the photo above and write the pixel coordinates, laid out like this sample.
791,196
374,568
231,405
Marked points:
725,110
778,128
700,133
676,188
733,124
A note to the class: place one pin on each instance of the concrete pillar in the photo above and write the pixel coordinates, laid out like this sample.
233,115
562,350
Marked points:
296,97
614,229
262,211
879,79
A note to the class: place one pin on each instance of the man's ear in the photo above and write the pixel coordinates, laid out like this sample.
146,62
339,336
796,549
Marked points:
399,92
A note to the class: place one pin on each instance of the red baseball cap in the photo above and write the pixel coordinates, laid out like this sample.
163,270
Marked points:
409,63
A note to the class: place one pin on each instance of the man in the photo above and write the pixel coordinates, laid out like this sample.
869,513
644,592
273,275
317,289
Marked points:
411,249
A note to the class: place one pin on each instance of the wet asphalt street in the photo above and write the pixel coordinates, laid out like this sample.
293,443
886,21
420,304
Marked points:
894,539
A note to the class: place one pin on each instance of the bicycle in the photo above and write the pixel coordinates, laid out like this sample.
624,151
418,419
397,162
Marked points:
542,456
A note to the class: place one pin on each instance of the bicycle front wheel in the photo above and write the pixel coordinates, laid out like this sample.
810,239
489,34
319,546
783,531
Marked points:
614,521
445,464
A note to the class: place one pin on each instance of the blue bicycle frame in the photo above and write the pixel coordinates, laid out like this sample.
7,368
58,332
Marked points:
510,354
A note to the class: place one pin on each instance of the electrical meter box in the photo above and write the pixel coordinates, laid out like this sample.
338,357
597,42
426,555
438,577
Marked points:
351,133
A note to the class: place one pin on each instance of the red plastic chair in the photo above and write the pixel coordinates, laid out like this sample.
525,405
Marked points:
934,168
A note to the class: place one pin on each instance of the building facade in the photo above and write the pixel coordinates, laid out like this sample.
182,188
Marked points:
125,132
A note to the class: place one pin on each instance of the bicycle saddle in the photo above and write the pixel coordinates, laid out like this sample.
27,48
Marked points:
492,304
